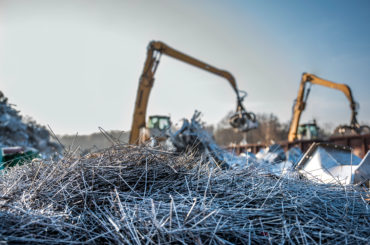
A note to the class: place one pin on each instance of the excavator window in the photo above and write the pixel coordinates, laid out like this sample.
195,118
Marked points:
159,122
308,131
164,123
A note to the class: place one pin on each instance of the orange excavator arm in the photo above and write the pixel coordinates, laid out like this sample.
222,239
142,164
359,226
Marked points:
155,50
300,103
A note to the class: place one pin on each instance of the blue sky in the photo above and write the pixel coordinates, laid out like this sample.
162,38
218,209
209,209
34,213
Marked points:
75,65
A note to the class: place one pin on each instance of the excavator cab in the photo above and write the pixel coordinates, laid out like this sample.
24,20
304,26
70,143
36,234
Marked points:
308,131
157,127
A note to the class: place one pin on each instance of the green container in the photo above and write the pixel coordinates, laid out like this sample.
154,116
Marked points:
19,158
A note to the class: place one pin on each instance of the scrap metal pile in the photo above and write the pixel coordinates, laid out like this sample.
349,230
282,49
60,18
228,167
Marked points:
134,195
192,137
322,163
18,131
199,193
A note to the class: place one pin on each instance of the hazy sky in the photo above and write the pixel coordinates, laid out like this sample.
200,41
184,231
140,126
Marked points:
75,64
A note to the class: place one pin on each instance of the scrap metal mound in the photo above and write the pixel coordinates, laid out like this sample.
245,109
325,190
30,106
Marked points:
135,195
18,131
193,137
333,165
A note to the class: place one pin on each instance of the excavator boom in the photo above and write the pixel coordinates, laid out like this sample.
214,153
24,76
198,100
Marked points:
165,49
300,103
155,50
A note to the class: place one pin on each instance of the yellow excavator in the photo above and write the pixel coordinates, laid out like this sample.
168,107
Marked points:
310,130
241,119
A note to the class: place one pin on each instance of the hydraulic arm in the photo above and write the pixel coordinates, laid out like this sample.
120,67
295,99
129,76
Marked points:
303,92
241,119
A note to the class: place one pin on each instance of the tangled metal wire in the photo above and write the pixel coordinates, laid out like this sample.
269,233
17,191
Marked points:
137,195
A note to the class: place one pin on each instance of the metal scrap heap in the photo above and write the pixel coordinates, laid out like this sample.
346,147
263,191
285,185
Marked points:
193,137
133,195
18,131
322,163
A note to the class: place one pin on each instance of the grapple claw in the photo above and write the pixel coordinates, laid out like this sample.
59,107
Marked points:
241,119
